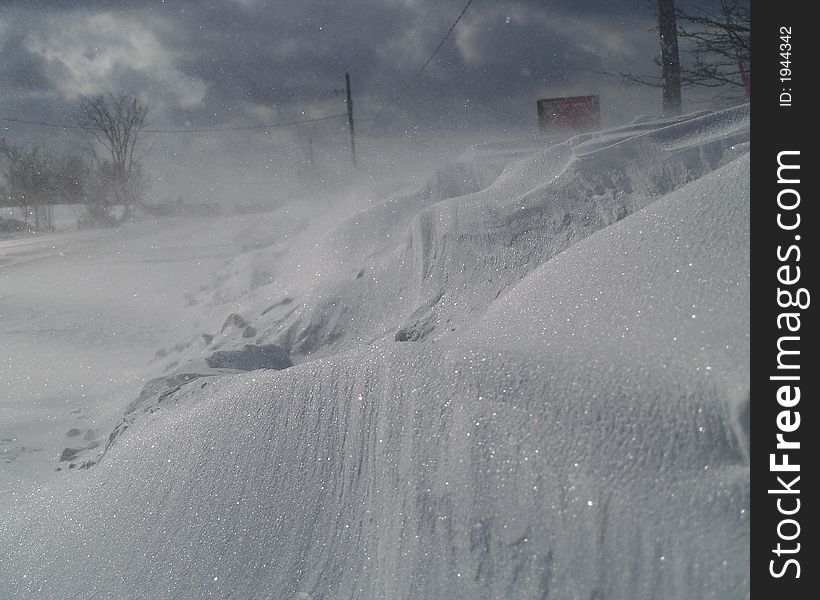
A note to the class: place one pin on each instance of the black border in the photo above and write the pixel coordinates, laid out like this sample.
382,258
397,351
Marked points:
777,128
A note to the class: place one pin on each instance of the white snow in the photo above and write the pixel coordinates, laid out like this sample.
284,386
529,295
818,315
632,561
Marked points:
568,418
82,314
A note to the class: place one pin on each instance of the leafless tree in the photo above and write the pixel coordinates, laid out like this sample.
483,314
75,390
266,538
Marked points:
29,183
73,177
720,46
116,122
716,47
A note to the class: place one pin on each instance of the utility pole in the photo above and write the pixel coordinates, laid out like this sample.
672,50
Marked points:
349,102
349,97
670,58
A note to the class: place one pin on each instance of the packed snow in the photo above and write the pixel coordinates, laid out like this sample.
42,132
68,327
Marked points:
526,377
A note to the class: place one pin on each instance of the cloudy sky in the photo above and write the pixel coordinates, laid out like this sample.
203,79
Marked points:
234,63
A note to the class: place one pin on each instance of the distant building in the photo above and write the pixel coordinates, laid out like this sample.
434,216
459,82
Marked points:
575,113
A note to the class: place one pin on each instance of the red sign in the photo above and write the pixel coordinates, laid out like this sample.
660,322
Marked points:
576,113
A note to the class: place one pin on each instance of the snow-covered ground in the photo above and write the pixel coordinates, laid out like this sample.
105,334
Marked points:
65,217
526,377
82,316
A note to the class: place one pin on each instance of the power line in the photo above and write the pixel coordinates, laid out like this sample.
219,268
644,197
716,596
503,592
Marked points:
440,44
382,69
281,123
415,76
247,127
186,130
393,18
417,30
43,124
412,37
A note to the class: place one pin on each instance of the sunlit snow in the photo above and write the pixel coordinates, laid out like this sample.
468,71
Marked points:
526,377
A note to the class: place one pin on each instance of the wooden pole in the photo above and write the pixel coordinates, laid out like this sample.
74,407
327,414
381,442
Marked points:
349,98
670,57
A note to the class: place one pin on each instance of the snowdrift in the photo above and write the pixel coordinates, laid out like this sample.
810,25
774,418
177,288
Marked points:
570,421
430,259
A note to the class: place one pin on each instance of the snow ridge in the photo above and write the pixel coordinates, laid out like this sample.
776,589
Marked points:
432,259
569,422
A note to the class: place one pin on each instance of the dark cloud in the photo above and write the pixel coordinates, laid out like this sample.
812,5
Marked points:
229,60
217,63
22,73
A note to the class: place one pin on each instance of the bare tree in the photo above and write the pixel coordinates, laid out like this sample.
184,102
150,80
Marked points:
116,122
35,181
720,45
716,47
30,182
73,177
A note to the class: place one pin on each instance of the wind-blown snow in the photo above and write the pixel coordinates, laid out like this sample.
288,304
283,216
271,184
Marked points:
568,417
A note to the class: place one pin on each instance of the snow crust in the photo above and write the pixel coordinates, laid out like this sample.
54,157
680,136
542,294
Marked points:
426,260
567,418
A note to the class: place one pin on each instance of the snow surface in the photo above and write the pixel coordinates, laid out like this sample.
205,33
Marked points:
81,316
566,418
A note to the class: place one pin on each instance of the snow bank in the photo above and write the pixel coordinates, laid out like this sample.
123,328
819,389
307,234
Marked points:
577,430
65,217
432,259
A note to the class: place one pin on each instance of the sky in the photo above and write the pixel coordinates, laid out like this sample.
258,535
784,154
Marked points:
245,63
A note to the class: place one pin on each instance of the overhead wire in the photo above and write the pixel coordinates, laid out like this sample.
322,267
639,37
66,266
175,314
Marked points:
392,67
395,97
438,47
393,18
43,124
268,126
262,127
247,127
416,31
